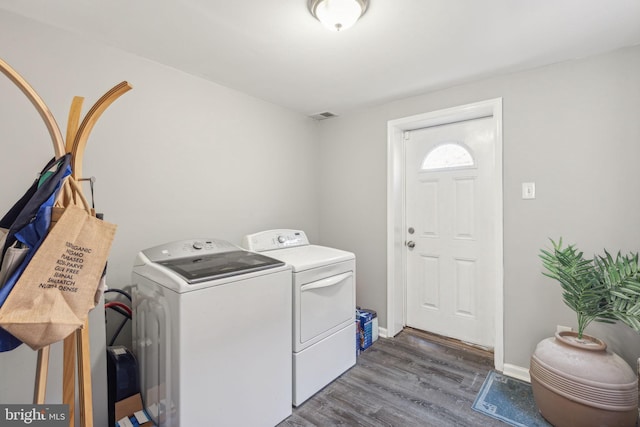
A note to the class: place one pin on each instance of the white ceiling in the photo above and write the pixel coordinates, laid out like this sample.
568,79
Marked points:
275,50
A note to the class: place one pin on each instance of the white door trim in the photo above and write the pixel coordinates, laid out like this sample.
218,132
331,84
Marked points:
396,281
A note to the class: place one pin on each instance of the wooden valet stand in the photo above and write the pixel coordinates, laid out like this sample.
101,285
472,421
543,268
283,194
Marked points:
76,344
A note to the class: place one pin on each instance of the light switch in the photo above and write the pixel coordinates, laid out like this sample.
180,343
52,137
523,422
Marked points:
528,190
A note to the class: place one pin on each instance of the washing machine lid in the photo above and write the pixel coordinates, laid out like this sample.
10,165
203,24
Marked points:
202,260
204,268
303,258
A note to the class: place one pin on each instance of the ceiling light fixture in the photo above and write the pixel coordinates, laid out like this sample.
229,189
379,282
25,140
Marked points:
338,15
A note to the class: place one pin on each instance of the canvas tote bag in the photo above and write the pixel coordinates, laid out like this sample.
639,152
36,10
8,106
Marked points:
57,289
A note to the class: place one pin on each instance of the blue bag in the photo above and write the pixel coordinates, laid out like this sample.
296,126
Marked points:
28,222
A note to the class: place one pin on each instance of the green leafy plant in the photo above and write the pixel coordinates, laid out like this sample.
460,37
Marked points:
604,289
621,277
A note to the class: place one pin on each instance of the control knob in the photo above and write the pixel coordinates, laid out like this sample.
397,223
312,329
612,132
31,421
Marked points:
197,245
281,239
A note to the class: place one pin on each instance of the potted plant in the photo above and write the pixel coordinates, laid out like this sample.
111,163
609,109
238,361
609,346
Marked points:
576,381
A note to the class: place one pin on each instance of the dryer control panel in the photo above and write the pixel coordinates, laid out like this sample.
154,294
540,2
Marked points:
274,239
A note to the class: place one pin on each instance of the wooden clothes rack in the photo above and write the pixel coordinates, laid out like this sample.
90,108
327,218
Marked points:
76,344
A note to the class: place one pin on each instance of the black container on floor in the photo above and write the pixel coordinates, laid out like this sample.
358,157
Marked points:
122,377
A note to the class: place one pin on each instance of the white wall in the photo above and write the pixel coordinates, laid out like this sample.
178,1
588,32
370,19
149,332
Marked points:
177,157
572,128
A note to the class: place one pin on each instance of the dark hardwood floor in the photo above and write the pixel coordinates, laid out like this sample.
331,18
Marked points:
413,379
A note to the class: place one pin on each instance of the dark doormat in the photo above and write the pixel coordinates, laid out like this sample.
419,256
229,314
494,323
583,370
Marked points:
509,400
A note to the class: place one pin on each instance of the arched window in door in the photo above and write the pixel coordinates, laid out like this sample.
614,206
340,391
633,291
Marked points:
449,155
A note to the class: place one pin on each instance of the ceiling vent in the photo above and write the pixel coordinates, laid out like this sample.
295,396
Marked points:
323,116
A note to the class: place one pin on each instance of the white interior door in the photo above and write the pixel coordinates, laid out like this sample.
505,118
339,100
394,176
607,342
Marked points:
451,246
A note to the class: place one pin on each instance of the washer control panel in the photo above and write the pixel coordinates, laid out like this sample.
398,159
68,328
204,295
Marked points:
185,248
274,239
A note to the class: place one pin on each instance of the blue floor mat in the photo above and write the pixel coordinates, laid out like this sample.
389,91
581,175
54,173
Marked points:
509,400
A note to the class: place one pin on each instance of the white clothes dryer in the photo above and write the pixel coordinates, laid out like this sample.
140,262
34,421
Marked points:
323,315
212,334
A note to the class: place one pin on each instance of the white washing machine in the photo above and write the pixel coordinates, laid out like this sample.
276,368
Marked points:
212,334
324,299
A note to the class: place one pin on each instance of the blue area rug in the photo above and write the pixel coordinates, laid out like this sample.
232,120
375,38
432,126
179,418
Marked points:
509,400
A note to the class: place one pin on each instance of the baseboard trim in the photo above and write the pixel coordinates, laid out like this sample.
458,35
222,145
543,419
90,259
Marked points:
516,372
382,332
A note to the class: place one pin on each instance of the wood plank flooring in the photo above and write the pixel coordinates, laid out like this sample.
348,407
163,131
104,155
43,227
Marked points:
413,379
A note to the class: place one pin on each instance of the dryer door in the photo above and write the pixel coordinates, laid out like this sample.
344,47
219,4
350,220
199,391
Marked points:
325,306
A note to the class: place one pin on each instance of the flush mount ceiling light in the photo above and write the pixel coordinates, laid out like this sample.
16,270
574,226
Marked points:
338,15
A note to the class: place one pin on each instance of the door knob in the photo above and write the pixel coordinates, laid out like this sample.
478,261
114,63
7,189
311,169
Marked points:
411,244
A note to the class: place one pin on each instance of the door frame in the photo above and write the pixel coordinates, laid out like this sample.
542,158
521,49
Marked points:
396,260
